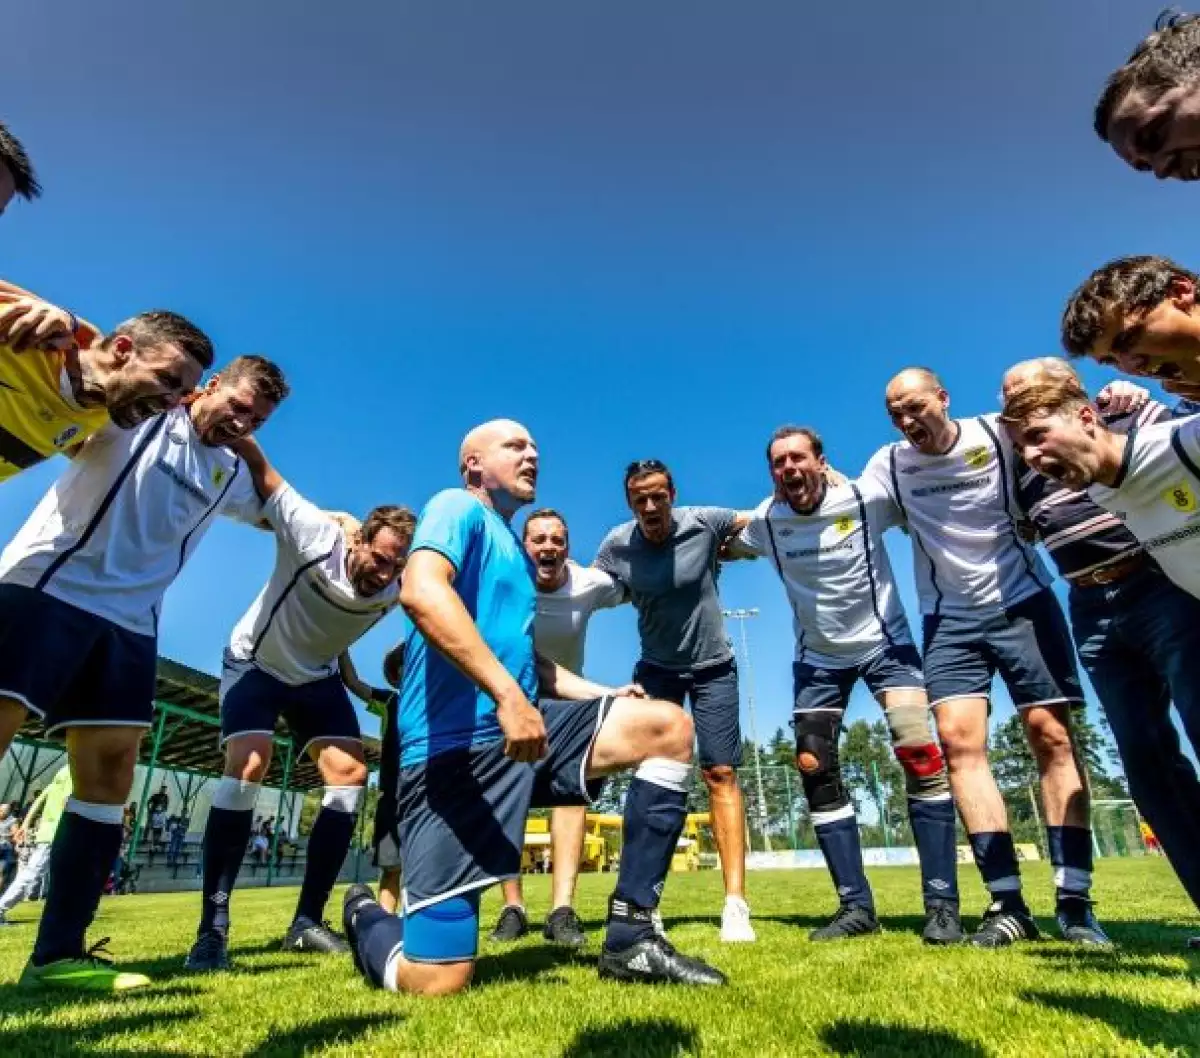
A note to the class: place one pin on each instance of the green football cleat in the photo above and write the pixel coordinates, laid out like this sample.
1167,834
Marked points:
90,972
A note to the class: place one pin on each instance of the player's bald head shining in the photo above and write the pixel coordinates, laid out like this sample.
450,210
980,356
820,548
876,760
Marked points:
913,379
482,437
918,405
499,460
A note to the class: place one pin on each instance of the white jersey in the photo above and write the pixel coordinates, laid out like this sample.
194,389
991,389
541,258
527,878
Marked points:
309,611
115,530
960,508
836,572
1157,496
560,624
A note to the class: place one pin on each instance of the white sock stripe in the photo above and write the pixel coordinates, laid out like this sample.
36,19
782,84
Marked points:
669,774
836,816
389,968
1074,879
1011,884
930,798
235,795
111,814
342,798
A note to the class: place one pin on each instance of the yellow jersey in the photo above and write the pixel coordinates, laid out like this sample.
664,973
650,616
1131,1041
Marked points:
38,413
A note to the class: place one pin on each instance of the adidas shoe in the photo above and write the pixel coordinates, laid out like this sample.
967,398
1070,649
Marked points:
655,961
1005,924
306,935
851,920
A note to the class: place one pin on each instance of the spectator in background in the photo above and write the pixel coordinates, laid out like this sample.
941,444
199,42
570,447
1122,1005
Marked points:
44,813
130,821
8,845
176,832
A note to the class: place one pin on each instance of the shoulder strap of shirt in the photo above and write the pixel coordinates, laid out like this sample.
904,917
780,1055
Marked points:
1007,485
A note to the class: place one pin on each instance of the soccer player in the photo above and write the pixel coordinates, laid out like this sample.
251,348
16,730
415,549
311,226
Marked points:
987,608
567,596
17,177
666,560
1138,633
826,543
328,589
1140,315
81,588
382,703
1149,111
475,753
51,399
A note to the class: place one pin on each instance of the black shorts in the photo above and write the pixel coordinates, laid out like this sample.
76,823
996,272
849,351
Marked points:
896,667
71,667
462,813
1029,644
712,692
252,701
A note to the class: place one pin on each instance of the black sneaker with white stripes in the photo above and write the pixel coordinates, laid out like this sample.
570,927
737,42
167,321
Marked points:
306,935
851,920
655,961
1077,924
1004,924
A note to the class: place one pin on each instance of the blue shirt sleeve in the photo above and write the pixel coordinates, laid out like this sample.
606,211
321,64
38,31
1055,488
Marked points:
449,524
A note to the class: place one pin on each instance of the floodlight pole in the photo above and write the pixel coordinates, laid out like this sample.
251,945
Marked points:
741,616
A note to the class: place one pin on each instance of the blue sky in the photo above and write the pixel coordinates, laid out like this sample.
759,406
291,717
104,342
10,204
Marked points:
643,229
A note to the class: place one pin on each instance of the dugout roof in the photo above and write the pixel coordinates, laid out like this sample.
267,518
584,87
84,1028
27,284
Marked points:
190,730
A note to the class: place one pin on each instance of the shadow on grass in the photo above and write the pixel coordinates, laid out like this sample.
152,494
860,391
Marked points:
1070,960
635,1038
882,1040
1146,1024
44,1002
45,1037
306,1039
531,962
890,923
171,968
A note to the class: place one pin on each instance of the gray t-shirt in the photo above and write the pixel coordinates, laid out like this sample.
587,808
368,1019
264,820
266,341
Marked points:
673,586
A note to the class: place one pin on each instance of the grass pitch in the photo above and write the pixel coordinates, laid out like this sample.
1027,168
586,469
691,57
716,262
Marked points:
885,995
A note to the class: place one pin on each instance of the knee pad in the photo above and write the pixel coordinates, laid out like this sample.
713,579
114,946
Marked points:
817,733
447,931
917,750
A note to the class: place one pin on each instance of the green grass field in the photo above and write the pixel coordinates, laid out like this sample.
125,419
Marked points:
884,995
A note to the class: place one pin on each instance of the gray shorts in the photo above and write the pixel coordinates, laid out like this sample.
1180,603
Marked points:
462,813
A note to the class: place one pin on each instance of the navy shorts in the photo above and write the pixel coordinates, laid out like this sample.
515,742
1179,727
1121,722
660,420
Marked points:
71,667
712,693
252,701
893,668
1028,644
462,813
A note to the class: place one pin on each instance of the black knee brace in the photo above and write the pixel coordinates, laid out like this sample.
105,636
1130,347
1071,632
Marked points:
817,733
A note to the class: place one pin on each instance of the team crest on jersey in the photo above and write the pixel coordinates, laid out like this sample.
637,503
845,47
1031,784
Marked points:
218,475
66,436
1181,497
844,524
977,457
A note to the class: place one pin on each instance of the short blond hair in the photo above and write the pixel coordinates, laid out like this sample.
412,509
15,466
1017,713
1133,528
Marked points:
1050,386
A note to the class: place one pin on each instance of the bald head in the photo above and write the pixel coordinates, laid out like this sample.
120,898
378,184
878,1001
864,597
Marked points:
499,462
918,405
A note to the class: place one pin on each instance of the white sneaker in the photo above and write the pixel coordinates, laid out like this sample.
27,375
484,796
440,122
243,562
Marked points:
735,922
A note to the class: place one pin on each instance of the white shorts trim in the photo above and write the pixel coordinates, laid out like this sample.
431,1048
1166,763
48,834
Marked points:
144,725
40,713
1049,701
482,883
329,738
986,696
606,704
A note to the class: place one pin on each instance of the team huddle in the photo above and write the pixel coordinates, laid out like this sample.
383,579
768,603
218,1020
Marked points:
488,714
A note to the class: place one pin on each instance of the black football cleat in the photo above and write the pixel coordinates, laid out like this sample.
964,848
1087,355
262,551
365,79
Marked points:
655,961
209,954
305,935
1077,924
512,924
942,923
851,920
356,898
1005,924
563,927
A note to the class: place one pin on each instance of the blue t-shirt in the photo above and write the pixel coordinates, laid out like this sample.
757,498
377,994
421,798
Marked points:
439,708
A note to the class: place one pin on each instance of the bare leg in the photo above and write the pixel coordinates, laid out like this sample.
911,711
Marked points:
512,892
1066,799
12,716
962,728
567,826
389,889
729,826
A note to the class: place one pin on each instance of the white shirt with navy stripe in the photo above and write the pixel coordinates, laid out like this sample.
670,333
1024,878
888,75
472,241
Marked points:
960,508
309,611
1157,496
835,570
116,529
